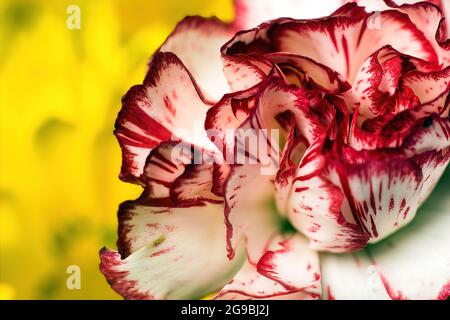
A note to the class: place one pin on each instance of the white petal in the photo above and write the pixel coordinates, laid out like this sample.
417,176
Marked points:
250,13
287,270
169,253
197,41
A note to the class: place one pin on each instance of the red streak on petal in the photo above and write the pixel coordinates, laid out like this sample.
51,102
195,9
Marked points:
330,294
301,189
346,53
406,213
445,292
361,33
160,252
169,106
356,212
402,205
391,204
374,227
393,295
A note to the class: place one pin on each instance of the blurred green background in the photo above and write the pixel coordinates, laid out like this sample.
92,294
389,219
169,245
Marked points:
60,91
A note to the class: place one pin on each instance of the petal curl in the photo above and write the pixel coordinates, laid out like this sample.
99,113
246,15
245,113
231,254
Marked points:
181,173
428,16
287,270
379,88
310,73
277,98
195,187
242,73
428,86
343,43
162,167
157,111
315,206
197,41
227,115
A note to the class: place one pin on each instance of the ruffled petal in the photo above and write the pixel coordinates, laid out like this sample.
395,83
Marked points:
415,263
430,134
385,188
421,129
287,270
194,187
166,106
412,264
382,194
248,113
242,73
377,87
227,115
277,98
197,41
367,195
310,73
343,43
222,121
181,172
426,15
162,167
440,105
162,252
315,207
428,86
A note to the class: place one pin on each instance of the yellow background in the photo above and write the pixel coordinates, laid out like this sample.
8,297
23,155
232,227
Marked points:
60,91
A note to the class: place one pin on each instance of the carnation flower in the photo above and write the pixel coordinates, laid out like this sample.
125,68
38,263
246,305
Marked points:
275,157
